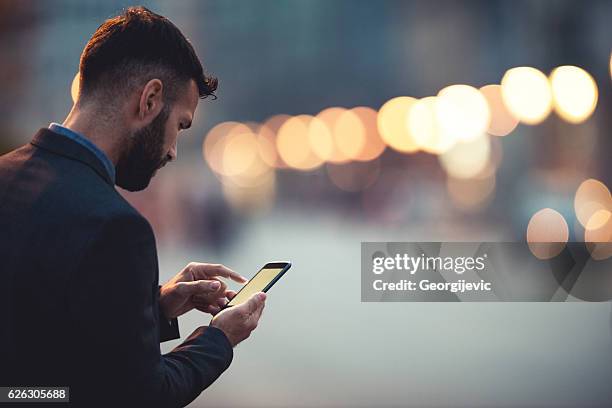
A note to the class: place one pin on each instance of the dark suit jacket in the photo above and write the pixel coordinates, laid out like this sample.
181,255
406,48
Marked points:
79,287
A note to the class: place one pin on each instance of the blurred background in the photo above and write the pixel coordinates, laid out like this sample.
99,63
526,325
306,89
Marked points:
342,121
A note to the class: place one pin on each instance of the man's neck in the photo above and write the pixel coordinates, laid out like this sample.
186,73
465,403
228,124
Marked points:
90,125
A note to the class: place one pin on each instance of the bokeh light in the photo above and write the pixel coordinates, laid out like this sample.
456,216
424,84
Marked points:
547,233
462,112
502,121
424,127
293,143
269,131
392,125
74,87
527,94
329,118
598,235
244,165
233,152
266,144
574,93
321,139
374,145
467,159
215,141
349,134
598,220
591,197
239,153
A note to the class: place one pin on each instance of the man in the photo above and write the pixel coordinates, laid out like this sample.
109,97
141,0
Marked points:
80,304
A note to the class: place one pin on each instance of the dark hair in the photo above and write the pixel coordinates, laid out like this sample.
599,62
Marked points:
135,47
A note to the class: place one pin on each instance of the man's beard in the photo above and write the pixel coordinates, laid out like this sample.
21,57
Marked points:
144,156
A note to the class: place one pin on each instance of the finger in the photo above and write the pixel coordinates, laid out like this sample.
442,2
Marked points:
210,297
206,271
254,303
222,302
202,287
253,319
212,309
216,302
230,294
257,314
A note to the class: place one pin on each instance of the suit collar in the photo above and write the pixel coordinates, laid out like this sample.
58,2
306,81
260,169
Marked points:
59,144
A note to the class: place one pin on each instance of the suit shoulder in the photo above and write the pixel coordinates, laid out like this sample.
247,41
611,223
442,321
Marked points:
117,212
126,226
19,154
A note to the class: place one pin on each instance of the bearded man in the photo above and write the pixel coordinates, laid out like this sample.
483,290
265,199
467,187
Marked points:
80,304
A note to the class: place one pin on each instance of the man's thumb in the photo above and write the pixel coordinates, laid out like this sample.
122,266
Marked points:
256,301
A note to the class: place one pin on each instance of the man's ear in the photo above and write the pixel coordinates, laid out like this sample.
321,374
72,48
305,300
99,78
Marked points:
151,101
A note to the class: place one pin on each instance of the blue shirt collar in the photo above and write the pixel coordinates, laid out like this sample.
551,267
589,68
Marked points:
82,140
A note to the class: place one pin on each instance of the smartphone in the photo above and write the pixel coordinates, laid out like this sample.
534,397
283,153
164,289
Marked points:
261,282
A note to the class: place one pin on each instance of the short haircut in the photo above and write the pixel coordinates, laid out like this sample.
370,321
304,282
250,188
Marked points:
131,49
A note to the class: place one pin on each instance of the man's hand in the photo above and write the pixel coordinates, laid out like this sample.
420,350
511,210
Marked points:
197,286
237,322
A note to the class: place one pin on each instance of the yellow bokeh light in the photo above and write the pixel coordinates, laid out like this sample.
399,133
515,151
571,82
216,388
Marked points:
547,233
269,131
502,121
393,126
591,196
266,143
329,117
462,112
253,176
467,159
598,220
598,235
424,126
215,141
232,150
374,145
293,144
349,134
239,153
527,94
74,87
321,139
574,93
